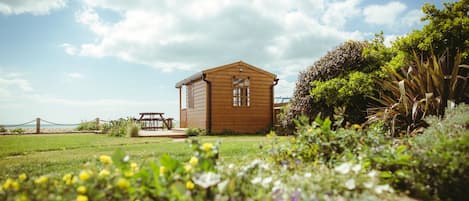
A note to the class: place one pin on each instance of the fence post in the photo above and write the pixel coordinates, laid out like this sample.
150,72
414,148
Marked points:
38,125
97,123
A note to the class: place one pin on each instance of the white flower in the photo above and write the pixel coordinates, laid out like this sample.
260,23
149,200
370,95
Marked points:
266,182
356,168
222,185
344,168
256,180
231,166
380,188
368,184
206,180
372,173
350,184
126,158
308,175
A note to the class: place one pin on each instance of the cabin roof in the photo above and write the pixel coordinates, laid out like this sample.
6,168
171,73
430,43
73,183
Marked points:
199,75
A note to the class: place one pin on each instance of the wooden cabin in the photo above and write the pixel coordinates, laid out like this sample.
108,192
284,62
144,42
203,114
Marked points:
236,98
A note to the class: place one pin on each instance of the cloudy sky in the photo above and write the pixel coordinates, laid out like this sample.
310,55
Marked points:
67,61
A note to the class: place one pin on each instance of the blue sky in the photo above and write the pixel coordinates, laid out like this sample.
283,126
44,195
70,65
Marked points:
68,61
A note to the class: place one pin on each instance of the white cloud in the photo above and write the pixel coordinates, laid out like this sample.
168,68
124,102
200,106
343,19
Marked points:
412,17
384,14
180,35
15,84
35,7
74,75
338,13
69,49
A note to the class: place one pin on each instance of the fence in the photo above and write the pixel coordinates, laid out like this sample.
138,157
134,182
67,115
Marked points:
37,125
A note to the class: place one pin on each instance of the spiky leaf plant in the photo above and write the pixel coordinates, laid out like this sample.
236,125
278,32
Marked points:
426,87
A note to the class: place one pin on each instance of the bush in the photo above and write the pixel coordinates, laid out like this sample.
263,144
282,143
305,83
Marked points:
18,131
122,127
422,89
87,126
195,132
3,129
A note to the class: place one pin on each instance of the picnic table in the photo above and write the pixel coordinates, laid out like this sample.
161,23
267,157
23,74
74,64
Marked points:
154,121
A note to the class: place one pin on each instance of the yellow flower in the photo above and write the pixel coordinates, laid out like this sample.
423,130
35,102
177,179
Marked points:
84,175
81,190
22,177
68,179
207,147
190,185
134,167
162,170
82,198
41,180
356,126
11,184
194,161
22,197
106,160
188,168
123,183
104,173
128,173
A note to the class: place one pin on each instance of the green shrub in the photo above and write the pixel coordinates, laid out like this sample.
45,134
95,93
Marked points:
87,126
2,129
122,127
422,89
18,130
195,132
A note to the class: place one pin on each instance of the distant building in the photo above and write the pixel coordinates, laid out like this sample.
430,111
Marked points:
236,97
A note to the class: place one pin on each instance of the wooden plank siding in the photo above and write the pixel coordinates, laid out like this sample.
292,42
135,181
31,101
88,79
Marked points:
245,119
197,116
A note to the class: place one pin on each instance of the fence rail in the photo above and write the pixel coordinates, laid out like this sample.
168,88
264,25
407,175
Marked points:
37,124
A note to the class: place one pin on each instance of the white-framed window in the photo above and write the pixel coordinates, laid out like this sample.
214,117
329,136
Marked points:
241,92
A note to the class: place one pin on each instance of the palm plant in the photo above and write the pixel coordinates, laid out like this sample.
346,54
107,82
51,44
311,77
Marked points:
426,87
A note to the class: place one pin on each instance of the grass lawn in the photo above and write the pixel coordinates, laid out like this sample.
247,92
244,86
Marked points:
63,153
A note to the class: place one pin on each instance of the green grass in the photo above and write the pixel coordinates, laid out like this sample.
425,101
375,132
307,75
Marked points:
63,153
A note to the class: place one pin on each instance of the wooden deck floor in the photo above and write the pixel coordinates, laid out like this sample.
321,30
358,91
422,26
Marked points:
173,133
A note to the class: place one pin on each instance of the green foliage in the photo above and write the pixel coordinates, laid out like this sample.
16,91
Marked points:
2,129
18,130
122,127
195,132
447,29
87,126
434,165
424,88
203,177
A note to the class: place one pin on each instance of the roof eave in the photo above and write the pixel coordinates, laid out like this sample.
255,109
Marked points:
192,78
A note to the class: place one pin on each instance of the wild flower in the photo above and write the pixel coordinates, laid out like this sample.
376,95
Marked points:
81,189
104,173
41,180
190,185
84,175
82,198
106,160
11,184
134,167
207,147
350,184
123,183
187,168
22,177
206,180
194,161
381,188
344,168
356,168
68,179
162,170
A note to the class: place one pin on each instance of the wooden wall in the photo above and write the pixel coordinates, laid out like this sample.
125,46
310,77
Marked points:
197,116
251,119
